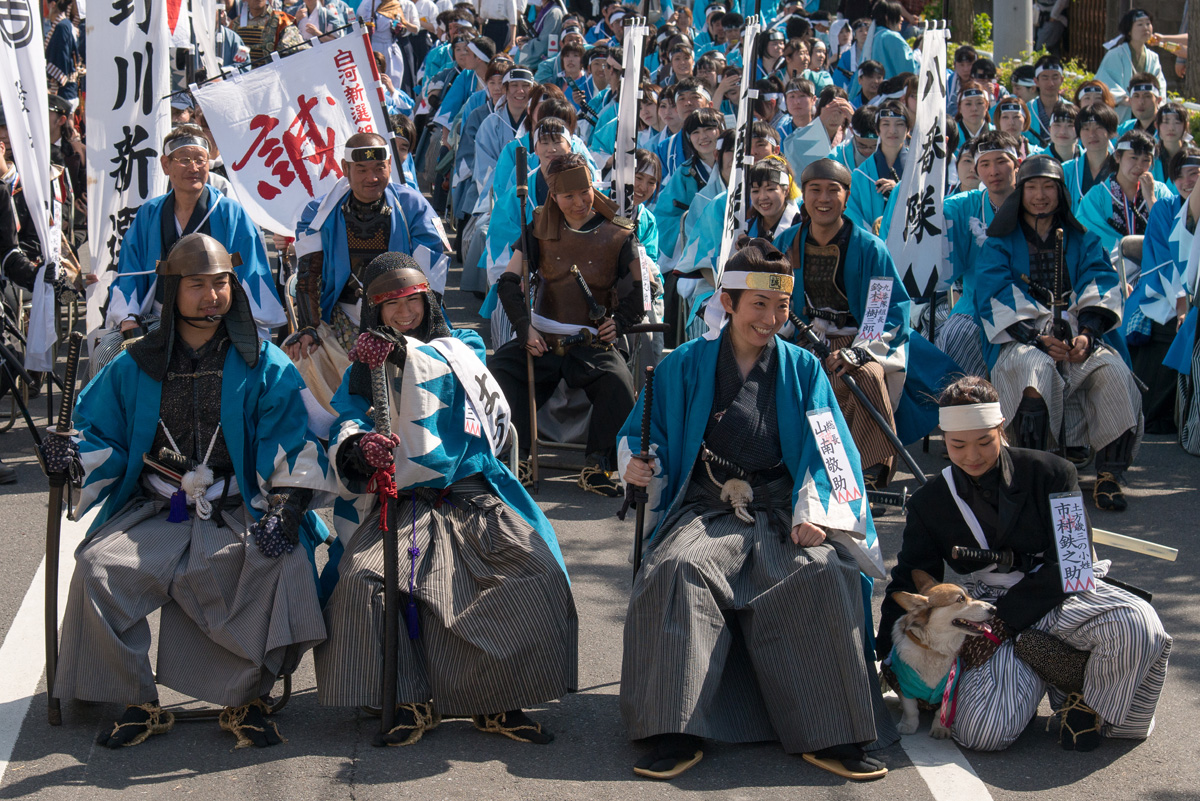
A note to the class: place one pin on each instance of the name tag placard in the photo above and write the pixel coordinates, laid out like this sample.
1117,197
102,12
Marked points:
833,456
647,289
1071,542
874,322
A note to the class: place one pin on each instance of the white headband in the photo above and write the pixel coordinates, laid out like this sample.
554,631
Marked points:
186,141
771,96
971,417
774,282
479,54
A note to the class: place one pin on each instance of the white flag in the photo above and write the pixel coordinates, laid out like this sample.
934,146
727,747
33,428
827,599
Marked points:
282,127
624,158
737,203
918,223
23,95
128,116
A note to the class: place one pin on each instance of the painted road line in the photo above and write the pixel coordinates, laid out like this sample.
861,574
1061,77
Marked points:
22,656
944,768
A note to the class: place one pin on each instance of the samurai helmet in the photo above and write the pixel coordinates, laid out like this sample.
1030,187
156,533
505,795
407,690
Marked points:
1009,214
198,254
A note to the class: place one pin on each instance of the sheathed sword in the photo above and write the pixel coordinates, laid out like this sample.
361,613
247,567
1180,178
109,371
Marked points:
58,488
640,495
596,312
822,350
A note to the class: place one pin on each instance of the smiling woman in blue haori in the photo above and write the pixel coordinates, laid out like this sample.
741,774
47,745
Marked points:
878,176
490,620
748,522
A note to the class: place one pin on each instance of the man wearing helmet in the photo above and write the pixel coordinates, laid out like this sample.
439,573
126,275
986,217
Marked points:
192,445
1050,301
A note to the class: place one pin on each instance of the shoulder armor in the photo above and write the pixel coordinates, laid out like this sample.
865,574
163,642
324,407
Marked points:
622,222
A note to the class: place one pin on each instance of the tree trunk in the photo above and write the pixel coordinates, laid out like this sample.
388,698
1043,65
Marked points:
1191,80
960,13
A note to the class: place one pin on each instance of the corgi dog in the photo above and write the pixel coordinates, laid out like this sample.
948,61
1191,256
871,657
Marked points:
937,621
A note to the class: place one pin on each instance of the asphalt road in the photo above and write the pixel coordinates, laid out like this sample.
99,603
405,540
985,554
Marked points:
329,756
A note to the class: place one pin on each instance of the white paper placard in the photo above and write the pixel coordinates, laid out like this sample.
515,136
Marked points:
1071,541
833,456
874,322
644,261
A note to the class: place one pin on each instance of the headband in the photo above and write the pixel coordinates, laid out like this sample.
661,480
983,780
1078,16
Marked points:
552,132
1171,112
398,293
1024,82
1091,90
1144,87
1048,68
771,96
616,65
776,177
186,141
994,148
1003,107
518,74
1129,145
572,180
1061,117
971,93
1189,161
776,35
662,37
479,54
1139,14
647,168
863,134
891,114
971,417
772,282
862,24
366,153
699,90
616,15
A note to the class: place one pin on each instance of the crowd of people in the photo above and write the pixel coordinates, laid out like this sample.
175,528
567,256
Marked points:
248,377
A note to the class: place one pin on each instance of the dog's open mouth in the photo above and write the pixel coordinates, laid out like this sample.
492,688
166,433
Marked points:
975,628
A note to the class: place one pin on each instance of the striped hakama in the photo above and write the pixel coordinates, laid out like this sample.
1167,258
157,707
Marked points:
232,619
498,628
735,634
873,446
959,338
1122,682
1100,397
1188,396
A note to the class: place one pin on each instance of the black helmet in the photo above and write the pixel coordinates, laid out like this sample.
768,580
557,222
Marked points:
1040,166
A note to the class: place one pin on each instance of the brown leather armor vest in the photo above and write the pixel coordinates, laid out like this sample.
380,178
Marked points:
365,239
596,254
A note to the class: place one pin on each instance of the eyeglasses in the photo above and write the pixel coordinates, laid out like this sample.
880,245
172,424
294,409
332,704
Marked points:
193,161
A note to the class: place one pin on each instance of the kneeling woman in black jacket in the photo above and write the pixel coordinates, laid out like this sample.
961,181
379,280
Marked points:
1105,659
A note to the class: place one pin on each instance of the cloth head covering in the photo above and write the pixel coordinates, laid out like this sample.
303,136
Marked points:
546,218
1008,216
196,254
386,274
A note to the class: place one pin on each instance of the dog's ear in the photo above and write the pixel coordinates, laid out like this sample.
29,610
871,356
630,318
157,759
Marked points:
923,581
909,601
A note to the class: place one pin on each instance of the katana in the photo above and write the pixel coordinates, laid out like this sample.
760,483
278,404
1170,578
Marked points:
596,312
58,486
522,168
639,495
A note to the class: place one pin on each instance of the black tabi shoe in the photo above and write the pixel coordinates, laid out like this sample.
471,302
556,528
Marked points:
600,481
137,724
249,724
412,721
1107,493
1079,725
671,756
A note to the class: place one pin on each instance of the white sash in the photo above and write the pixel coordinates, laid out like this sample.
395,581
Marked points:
987,575
481,391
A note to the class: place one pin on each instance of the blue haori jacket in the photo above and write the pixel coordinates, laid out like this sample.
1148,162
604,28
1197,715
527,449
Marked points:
914,368
263,421
437,444
683,395
141,248
1164,261
416,230
1002,297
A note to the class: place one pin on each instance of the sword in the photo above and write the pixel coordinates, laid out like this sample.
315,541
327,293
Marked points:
1002,559
596,312
584,337
58,485
822,351
639,495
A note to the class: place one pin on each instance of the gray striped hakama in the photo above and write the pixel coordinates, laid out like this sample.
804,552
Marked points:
232,619
1100,397
735,635
498,624
1188,406
1122,682
959,338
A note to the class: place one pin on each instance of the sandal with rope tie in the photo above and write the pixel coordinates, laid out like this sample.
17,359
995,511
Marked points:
137,724
672,755
525,472
412,721
598,480
515,725
1107,493
1080,721
249,724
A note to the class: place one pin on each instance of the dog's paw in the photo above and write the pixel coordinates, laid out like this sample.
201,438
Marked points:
937,731
908,725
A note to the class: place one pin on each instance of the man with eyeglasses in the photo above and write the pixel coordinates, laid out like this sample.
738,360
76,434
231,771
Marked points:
191,205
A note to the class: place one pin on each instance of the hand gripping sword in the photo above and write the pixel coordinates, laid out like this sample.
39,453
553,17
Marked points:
639,495
58,486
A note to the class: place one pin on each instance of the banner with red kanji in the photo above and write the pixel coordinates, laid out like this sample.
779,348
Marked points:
281,127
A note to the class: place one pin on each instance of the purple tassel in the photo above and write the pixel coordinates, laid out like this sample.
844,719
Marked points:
179,512
414,622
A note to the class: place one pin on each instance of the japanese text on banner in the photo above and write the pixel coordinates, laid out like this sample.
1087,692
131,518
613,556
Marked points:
833,456
1071,542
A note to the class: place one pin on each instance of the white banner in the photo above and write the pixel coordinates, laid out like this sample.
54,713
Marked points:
282,126
23,95
127,117
624,158
918,223
738,202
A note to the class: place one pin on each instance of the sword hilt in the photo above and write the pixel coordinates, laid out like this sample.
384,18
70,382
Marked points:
1000,558
595,310
584,337
74,346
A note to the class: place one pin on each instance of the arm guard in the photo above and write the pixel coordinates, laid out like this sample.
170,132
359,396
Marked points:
512,298
629,309
309,270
